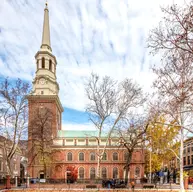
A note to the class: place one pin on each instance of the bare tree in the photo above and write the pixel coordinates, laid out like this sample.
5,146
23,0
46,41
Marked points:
40,137
109,102
174,38
174,33
174,86
133,134
13,116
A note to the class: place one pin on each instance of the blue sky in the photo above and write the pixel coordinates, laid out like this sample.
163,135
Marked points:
107,37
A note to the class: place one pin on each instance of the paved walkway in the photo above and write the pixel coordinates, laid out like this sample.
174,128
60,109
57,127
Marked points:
71,187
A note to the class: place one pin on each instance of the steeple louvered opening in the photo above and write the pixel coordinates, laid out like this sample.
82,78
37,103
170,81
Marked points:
50,65
43,63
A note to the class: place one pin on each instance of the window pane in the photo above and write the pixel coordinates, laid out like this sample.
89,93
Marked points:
104,156
69,156
92,173
184,160
115,173
81,173
104,173
137,172
115,156
92,156
81,156
125,156
188,160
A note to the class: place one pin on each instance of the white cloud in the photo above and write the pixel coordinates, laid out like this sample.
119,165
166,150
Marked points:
108,38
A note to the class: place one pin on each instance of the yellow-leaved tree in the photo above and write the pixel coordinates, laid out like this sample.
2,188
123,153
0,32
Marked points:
162,144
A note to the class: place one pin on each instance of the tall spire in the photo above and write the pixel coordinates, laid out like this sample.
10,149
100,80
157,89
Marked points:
46,30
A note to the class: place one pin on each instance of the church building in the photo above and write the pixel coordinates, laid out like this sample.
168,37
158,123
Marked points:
68,150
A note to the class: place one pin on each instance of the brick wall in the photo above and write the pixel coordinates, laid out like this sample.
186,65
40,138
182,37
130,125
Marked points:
35,166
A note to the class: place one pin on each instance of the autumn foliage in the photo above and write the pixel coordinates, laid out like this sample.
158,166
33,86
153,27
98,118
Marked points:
72,172
161,143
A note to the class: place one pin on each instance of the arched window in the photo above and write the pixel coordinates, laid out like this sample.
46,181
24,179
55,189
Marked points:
137,171
104,157
115,173
81,173
115,156
43,62
50,65
125,156
81,156
92,156
69,156
92,173
104,173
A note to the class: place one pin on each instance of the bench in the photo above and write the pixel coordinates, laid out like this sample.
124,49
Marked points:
149,186
119,186
91,186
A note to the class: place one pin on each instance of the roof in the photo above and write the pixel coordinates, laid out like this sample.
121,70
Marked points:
78,133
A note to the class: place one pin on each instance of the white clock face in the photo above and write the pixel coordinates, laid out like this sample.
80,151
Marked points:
42,81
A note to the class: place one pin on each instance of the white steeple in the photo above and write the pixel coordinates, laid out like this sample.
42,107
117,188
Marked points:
46,30
45,80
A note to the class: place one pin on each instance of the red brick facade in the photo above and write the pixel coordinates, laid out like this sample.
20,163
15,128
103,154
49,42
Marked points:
61,162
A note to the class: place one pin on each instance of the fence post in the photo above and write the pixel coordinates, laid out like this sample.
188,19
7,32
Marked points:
27,184
8,184
16,185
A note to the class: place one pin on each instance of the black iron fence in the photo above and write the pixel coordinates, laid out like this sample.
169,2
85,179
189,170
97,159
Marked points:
86,183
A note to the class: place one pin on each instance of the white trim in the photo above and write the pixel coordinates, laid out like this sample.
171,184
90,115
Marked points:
91,147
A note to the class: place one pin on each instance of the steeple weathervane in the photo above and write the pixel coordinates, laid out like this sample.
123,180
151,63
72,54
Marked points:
46,30
46,4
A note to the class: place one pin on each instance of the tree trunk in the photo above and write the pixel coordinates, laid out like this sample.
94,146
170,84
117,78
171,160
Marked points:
181,161
9,167
45,171
8,182
127,167
126,174
98,162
